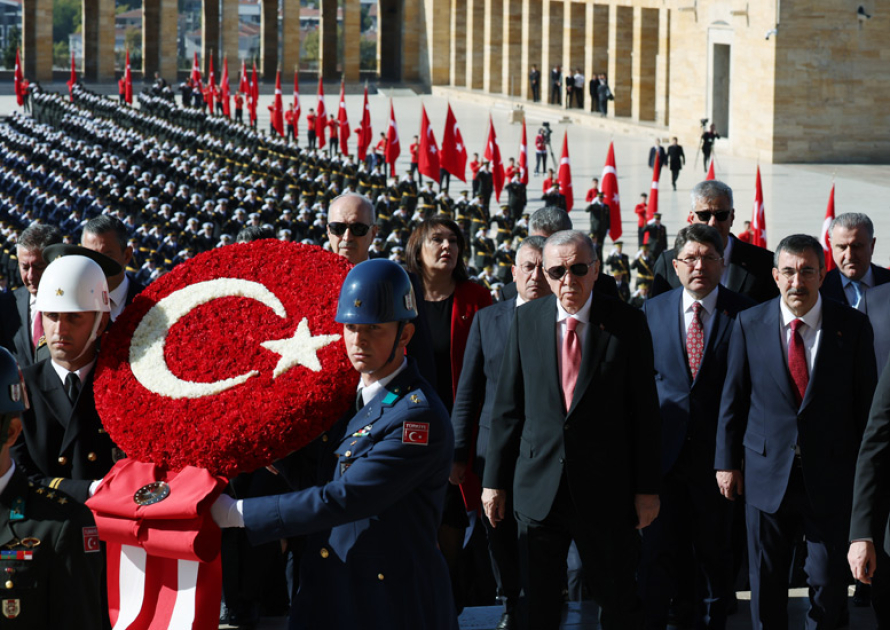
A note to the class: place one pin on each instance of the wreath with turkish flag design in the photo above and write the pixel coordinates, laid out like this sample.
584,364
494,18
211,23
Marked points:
230,361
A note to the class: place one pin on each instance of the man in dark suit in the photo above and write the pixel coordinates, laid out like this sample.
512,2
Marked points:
472,410
852,237
600,220
24,322
747,268
574,439
108,235
63,445
694,325
800,378
877,305
657,150
676,160
534,81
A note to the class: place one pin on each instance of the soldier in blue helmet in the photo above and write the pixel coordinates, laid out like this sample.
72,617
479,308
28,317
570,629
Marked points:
371,557
50,563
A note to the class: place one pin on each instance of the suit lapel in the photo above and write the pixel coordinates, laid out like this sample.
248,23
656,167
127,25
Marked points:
23,302
674,321
768,338
591,352
719,328
51,390
737,278
544,339
826,353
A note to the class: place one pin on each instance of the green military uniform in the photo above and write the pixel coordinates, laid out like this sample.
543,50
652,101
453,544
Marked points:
50,560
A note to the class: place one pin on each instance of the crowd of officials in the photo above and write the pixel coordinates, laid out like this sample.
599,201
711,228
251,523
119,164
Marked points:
574,471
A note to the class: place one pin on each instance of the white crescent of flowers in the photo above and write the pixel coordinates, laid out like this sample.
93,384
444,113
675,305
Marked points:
147,360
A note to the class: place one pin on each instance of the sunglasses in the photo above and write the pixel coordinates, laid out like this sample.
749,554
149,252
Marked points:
357,229
705,216
578,270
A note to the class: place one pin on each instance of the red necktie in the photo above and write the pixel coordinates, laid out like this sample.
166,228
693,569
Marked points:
571,360
797,362
37,331
695,341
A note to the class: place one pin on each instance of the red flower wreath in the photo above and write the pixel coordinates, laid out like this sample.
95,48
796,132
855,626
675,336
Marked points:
230,361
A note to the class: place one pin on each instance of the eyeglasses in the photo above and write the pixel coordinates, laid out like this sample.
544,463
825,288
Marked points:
807,273
357,229
705,216
578,270
690,262
529,268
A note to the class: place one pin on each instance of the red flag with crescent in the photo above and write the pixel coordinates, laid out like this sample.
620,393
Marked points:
565,174
343,120
454,152
393,148
493,155
825,238
364,132
609,187
296,103
428,163
72,80
225,93
652,206
523,157
128,81
19,80
321,120
758,217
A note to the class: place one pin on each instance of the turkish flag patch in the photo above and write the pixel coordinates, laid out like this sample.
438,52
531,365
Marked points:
91,539
416,433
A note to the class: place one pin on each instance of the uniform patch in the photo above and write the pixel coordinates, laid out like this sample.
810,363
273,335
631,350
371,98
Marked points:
365,430
16,555
416,433
11,608
90,539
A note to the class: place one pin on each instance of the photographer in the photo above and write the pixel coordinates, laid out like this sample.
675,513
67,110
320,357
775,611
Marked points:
707,142
541,142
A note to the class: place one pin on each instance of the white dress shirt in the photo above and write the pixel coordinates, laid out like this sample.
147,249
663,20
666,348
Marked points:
811,332
376,387
562,316
82,373
118,298
867,282
709,305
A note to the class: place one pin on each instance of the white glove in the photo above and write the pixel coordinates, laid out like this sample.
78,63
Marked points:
95,486
226,512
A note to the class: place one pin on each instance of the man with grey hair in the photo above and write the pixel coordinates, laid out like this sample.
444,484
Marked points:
747,268
26,325
852,240
575,438
799,382
352,226
473,404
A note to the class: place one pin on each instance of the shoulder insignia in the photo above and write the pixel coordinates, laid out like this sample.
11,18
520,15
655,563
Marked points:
17,510
415,398
391,397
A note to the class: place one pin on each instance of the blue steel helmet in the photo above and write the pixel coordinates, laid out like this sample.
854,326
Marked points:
376,291
13,399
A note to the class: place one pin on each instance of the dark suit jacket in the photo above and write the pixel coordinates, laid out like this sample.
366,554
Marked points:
479,380
833,287
761,422
750,272
134,289
662,157
20,323
689,408
607,445
9,319
61,440
877,305
871,497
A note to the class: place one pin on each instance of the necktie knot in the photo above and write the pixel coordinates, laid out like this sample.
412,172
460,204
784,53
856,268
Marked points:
72,386
795,325
696,308
572,324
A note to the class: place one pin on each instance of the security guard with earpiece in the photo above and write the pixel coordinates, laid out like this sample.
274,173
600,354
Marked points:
371,558
50,563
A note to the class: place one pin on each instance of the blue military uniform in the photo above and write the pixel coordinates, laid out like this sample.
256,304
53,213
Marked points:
371,557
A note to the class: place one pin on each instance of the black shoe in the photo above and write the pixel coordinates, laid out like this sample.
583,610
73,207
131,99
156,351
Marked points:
506,622
862,595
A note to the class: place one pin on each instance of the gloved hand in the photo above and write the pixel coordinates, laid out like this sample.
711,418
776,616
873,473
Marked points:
226,512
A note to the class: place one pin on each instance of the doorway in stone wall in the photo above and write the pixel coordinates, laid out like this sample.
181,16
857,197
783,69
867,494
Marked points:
720,83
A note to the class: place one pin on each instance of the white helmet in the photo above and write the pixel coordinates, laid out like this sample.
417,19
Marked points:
73,284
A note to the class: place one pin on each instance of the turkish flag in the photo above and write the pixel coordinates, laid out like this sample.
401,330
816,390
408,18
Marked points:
364,131
393,149
609,188
73,79
278,107
128,81
343,120
296,103
496,164
758,218
523,157
711,174
652,208
320,117
565,174
224,89
243,85
254,95
825,239
454,153
20,78
428,160
196,69
211,86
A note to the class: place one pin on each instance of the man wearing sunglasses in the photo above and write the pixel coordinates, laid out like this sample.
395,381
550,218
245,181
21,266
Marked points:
575,438
747,269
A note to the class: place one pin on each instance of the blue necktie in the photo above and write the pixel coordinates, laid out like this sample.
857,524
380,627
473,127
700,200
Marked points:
857,292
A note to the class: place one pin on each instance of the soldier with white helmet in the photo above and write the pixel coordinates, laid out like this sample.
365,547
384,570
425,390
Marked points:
63,444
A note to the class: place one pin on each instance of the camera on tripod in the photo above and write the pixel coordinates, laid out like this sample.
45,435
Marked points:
704,122
546,131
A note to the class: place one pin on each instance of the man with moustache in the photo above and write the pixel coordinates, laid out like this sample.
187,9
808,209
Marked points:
472,411
799,383
852,238
574,439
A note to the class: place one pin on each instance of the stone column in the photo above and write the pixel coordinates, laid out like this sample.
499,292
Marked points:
228,27
458,53
411,29
663,70
352,37
167,37
269,39
98,40
645,53
475,41
621,21
512,66
210,23
574,40
551,45
437,22
596,54
493,47
327,41
531,42
37,40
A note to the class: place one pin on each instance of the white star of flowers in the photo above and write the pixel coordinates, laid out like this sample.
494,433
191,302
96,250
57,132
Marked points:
301,349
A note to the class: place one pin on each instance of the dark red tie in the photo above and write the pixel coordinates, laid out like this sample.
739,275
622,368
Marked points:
571,361
797,362
695,341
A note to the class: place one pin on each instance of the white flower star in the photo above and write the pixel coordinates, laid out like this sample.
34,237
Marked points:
301,349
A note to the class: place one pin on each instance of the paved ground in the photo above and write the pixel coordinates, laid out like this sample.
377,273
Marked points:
795,196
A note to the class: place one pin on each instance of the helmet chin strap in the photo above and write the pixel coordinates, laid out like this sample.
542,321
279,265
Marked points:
395,348
93,336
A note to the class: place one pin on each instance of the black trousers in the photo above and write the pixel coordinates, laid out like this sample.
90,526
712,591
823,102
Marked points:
504,552
609,554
